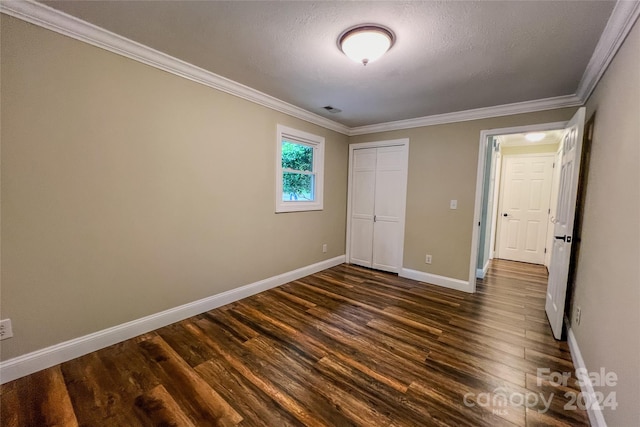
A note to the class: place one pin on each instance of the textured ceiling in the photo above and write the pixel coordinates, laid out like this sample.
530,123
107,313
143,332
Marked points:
449,56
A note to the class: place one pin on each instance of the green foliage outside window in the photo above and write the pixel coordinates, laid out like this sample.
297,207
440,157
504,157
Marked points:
297,157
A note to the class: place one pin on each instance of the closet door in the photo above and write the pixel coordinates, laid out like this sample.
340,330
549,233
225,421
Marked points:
362,206
388,208
377,194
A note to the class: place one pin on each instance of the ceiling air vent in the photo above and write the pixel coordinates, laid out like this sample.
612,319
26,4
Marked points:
331,109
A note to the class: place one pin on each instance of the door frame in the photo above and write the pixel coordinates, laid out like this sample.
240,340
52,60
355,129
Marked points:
498,229
477,210
497,161
404,143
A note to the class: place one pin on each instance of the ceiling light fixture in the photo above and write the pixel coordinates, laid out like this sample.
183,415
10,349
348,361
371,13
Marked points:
535,137
366,43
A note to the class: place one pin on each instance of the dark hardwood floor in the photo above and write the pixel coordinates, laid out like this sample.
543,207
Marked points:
344,347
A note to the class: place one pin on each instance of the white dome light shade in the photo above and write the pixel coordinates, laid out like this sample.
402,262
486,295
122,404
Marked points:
366,43
535,137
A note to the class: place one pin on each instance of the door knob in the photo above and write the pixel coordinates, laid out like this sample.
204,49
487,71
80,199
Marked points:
505,214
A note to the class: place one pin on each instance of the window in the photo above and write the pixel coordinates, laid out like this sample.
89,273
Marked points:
299,171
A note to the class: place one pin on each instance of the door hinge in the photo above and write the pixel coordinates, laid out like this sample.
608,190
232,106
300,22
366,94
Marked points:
478,223
545,250
549,212
554,165
374,218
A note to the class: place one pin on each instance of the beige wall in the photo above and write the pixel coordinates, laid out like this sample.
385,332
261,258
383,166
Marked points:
127,191
443,163
608,277
529,149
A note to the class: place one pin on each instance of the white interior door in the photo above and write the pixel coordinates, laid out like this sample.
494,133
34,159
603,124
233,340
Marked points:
553,207
388,208
571,152
377,194
363,182
525,207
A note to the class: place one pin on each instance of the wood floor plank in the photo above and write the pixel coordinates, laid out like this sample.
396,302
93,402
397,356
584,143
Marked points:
479,368
348,346
257,408
239,361
191,351
557,399
442,410
200,402
332,404
157,408
382,397
11,409
385,344
280,331
345,346
53,408
56,404
479,344
229,322
292,298
97,396
461,392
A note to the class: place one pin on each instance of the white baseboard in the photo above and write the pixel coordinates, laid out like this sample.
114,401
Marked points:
45,358
447,282
596,419
481,272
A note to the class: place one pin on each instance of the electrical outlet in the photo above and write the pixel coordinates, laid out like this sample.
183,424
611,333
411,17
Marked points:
324,248
577,315
427,259
6,331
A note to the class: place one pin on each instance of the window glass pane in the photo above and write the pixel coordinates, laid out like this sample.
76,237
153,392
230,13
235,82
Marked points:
297,187
299,170
297,156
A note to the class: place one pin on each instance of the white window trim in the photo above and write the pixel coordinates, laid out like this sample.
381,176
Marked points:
315,141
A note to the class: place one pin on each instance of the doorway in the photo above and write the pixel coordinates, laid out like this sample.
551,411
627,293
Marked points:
519,185
559,224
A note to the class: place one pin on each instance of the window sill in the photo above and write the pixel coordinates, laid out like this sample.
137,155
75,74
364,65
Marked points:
285,207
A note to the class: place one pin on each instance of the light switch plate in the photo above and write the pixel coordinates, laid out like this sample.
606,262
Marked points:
453,204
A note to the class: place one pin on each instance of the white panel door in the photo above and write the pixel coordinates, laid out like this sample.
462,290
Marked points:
571,152
525,207
378,196
553,206
362,206
387,227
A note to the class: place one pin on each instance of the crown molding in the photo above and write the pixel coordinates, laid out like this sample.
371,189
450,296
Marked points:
622,18
624,15
62,23
475,114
